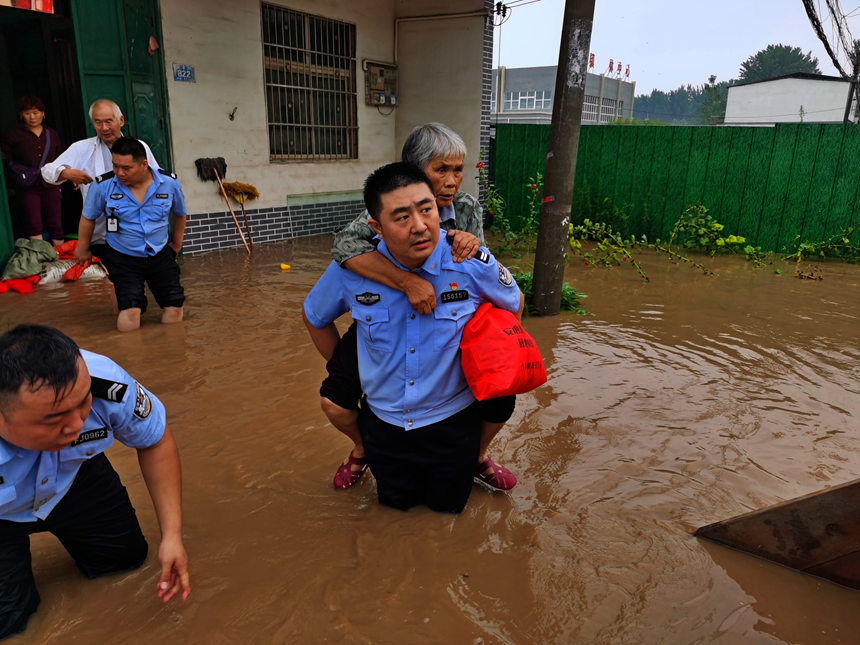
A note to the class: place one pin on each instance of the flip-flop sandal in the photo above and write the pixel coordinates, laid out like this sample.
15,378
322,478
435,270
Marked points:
346,477
501,478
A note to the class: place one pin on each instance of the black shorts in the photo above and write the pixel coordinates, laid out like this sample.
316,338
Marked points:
94,521
128,274
433,465
98,249
342,386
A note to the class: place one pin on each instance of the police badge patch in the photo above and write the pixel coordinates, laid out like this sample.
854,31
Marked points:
116,195
90,435
454,296
367,298
142,402
162,195
505,276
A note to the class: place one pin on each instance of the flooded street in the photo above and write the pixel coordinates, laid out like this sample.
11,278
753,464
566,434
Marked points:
675,404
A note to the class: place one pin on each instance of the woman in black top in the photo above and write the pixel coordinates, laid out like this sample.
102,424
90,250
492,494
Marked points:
25,144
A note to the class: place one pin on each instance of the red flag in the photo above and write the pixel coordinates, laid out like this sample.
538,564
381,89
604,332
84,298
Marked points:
590,61
611,64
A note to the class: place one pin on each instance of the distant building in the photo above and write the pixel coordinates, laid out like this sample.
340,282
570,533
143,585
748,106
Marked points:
524,95
794,98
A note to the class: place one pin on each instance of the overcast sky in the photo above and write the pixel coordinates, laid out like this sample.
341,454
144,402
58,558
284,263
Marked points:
667,43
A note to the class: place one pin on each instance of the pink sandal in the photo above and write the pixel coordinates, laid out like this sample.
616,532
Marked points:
346,477
501,478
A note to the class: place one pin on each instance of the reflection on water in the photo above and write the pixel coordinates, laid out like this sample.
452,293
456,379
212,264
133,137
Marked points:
675,404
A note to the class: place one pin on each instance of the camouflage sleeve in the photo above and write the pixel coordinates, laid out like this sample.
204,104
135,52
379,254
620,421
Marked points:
469,215
356,238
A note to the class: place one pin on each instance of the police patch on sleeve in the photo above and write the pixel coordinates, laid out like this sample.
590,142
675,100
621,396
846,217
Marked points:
142,402
505,276
107,390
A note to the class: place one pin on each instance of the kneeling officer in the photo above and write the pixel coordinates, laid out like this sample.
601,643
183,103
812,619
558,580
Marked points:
136,202
60,409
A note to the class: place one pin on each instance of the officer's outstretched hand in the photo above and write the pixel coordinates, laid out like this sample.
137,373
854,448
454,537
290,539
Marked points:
174,569
464,245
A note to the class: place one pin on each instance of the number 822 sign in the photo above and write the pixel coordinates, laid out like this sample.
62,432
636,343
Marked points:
183,73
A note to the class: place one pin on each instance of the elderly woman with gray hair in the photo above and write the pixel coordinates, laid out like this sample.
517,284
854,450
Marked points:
441,153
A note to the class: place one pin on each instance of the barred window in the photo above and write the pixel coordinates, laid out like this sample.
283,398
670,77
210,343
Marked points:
607,110
589,109
310,76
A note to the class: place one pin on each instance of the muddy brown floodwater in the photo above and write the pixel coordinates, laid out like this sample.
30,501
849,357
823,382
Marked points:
675,404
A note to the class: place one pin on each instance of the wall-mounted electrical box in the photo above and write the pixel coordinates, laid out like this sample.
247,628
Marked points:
380,84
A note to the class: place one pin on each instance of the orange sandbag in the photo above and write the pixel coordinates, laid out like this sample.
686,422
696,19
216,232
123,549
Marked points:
66,250
74,272
499,357
19,285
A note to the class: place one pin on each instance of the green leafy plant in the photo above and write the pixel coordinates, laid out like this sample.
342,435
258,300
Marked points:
610,248
570,297
494,204
532,223
697,230
837,246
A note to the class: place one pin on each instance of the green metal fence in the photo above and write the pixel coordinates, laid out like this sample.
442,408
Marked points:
768,184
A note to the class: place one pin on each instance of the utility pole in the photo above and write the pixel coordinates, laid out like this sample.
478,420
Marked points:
561,156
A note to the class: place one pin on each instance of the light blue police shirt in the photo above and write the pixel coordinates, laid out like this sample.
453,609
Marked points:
32,483
142,227
409,363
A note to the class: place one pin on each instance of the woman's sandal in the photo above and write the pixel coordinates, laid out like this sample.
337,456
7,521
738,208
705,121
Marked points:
500,478
346,477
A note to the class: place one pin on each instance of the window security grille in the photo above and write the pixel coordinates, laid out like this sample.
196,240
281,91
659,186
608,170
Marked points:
310,77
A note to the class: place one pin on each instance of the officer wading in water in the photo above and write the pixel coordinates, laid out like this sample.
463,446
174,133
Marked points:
136,202
60,408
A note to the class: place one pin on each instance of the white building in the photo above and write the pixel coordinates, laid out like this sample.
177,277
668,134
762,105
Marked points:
795,98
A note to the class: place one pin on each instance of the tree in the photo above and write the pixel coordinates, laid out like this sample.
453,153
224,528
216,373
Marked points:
713,107
777,60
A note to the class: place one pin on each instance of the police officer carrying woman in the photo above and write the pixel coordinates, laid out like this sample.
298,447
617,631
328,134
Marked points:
440,153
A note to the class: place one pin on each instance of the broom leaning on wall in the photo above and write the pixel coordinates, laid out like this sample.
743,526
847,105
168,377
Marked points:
212,169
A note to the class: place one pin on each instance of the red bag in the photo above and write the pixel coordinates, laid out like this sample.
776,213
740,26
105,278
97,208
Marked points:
499,357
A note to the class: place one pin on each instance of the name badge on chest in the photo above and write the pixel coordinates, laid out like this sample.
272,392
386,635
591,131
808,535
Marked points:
112,221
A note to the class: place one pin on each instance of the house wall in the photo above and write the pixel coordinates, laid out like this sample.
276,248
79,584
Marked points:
221,39
441,72
779,101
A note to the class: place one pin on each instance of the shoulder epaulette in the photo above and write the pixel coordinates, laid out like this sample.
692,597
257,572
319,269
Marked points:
108,390
167,172
107,175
